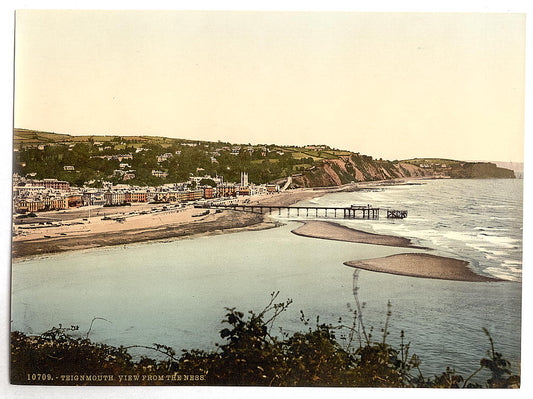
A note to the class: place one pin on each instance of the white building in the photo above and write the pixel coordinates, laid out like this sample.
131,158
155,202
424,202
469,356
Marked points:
244,179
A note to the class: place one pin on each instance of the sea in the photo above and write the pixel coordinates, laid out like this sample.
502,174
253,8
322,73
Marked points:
177,292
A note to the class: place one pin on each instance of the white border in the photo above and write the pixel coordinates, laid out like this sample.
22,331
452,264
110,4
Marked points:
7,29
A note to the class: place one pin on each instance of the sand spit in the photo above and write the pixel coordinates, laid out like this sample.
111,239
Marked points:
422,265
335,231
127,233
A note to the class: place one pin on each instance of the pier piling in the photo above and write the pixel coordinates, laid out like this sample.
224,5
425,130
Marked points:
351,212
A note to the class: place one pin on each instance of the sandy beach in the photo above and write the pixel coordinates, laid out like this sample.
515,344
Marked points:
79,231
421,265
149,228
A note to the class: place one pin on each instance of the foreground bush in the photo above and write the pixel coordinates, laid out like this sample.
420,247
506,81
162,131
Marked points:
250,355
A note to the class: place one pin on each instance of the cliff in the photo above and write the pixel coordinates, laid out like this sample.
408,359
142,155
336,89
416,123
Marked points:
356,167
481,170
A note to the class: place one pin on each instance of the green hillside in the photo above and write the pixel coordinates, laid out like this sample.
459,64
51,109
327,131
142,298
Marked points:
136,160
98,158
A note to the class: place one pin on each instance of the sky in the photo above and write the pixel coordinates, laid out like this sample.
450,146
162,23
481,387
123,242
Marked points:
390,85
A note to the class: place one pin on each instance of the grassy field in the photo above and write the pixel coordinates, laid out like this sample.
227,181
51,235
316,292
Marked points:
418,161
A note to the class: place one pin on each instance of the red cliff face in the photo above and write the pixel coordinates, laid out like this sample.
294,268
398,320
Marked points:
355,168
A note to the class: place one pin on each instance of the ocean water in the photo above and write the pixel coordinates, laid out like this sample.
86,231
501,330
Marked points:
175,292
479,221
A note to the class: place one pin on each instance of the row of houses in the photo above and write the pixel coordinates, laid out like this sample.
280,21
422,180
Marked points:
52,194
47,203
51,184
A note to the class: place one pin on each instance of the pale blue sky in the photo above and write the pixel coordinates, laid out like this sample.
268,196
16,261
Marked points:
392,85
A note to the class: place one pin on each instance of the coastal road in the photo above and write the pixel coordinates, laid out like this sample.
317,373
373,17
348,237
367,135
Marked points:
287,184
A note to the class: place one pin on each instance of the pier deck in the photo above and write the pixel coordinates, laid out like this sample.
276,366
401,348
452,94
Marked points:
351,212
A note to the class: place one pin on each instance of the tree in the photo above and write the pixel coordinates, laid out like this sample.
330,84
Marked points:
208,182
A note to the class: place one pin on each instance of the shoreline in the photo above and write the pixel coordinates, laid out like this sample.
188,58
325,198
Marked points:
223,224
81,234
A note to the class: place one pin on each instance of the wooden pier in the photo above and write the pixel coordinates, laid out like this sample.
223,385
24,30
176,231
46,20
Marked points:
351,212
395,214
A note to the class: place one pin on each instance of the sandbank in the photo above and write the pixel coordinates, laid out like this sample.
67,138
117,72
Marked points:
422,265
410,264
334,231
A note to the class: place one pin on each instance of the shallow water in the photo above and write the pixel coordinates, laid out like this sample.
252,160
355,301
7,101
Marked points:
175,292
479,221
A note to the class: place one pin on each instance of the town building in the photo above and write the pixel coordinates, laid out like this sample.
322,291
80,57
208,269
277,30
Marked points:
226,190
74,201
244,179
272,188
135,196
159,173
55,203
114,198
52,183
93,198
209,192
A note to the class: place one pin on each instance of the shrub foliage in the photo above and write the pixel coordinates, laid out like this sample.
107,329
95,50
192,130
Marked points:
250,355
